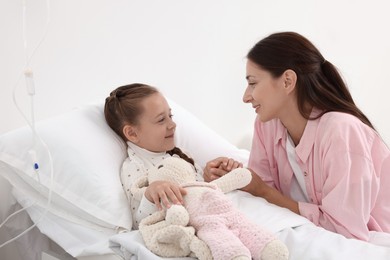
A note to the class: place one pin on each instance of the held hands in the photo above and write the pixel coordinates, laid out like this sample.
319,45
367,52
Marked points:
257,187
164,193
219,167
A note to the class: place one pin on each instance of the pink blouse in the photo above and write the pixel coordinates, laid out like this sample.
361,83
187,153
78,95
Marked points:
346,168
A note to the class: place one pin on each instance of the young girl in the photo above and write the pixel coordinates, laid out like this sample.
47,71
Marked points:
141,116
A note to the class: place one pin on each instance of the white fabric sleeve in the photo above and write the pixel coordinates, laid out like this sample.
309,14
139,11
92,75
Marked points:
146,208
131,174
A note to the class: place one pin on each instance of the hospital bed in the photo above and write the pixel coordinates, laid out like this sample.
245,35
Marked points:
67,175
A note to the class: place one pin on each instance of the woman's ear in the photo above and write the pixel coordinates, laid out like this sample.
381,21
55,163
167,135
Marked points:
130,133
290,80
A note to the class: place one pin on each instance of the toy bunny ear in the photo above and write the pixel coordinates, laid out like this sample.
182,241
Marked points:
233,180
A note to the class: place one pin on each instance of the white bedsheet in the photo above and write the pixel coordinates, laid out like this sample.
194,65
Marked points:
311,242
78,240
304,239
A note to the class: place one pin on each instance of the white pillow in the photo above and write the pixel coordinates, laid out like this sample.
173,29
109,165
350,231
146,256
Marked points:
87,156
200,141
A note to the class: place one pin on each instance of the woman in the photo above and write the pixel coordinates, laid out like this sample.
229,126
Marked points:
313,152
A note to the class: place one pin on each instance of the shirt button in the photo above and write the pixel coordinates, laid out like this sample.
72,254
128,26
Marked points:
305,173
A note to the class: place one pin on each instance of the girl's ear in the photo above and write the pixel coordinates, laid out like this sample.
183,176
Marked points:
130,133
290,80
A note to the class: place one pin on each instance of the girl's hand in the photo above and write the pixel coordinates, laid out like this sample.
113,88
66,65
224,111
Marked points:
164,193
219,167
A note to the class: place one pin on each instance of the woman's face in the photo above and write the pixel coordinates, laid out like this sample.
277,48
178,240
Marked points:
266,93
155,129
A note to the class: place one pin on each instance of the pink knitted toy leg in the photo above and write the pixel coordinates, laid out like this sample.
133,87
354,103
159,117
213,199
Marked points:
224,245
253,236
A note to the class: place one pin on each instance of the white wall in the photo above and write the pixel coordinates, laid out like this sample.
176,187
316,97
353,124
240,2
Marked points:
194,51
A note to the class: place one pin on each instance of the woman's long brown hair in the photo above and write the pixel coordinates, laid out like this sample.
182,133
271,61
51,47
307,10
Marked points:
319,84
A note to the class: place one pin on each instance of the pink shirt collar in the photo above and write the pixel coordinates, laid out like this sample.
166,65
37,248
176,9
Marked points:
307,141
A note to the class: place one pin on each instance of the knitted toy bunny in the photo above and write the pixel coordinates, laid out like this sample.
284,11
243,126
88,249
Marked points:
166,233
228,233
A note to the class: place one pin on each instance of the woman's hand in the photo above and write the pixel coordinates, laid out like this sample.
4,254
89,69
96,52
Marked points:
219,167
164,193
257,187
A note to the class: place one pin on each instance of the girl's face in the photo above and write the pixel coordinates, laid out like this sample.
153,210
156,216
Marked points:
155,130
266,93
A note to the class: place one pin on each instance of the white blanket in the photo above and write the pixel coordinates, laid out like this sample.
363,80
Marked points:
304,239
